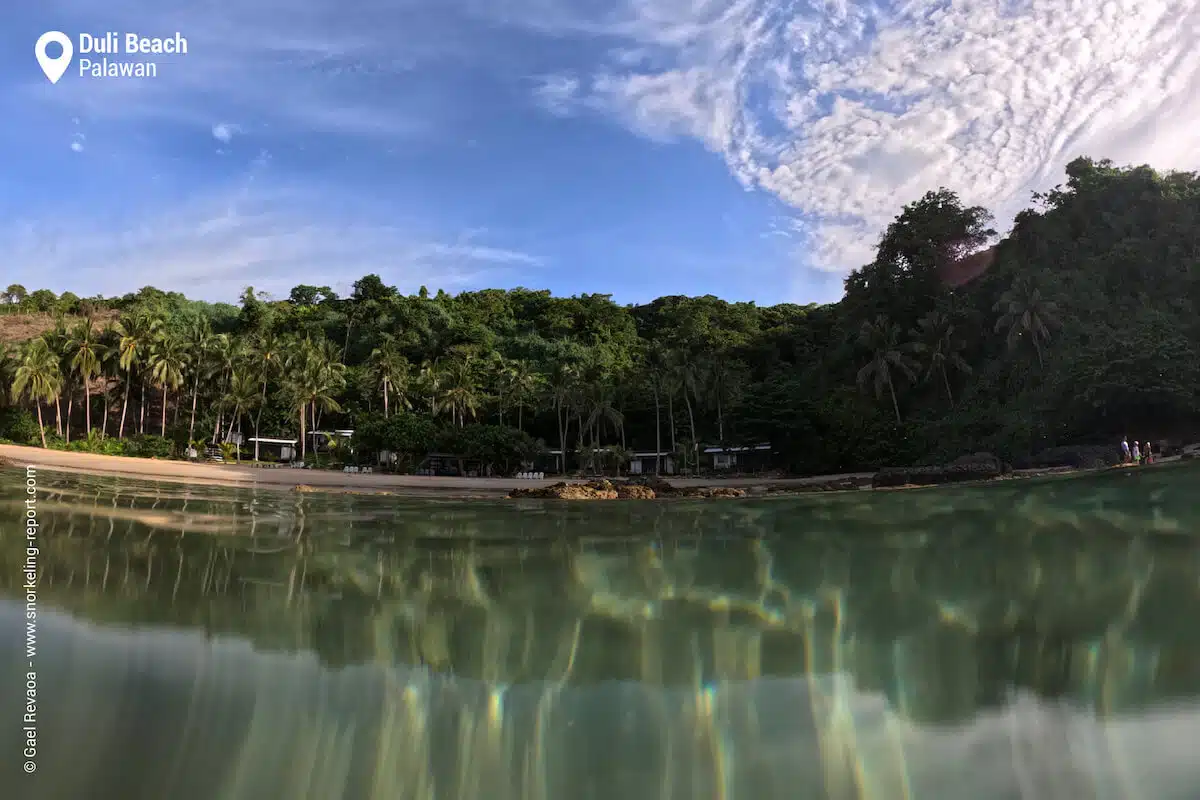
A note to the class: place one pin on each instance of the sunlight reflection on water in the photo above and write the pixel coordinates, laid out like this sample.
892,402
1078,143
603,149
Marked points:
1028,640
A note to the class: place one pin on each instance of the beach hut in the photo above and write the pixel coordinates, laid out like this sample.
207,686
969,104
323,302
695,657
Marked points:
641,463
319,443
283,449
752,458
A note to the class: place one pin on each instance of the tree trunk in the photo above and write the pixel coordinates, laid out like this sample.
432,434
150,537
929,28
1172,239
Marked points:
582,432
142,413
70,409
237,410
657,432
692,426
559,418
41,425
58,414
256,434
895,405
107,404
946,381
385,402
262,403
303,448
164,411
87,408
349,327
520,416
195,393
671,420
124,406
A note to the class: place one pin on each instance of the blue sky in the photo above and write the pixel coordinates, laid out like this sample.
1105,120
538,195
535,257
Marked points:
751,149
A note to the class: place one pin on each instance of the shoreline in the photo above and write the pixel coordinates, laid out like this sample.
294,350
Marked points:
420,486
284,479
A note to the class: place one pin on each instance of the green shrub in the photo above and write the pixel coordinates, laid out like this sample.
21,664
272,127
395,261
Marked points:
20,426
149,446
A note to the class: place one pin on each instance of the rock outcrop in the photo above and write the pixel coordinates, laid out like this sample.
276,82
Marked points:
975,467
635,489
1077,456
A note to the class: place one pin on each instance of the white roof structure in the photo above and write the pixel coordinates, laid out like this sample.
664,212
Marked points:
272,441
736,449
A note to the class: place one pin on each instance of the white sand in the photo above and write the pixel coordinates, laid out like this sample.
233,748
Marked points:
286,478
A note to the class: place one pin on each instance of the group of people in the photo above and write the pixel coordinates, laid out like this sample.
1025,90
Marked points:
1139,454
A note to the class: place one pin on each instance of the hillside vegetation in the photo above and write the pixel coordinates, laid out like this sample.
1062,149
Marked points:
1079,327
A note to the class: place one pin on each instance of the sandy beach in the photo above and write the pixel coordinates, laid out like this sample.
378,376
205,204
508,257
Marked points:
320,480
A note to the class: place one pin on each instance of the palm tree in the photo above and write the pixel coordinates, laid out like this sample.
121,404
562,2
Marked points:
602,408
429,381
226,353
393,374
243,395
39,377
523,385
85,350
685,378
313,381
136,333
1026,314
110,368
936,341
561,388
267,352
56,340
199,345
167,362
882,340
656,367
461,392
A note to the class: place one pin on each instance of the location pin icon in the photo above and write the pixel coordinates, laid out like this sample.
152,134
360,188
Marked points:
54,67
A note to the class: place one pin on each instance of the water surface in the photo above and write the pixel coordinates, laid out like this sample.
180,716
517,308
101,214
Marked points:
1032,639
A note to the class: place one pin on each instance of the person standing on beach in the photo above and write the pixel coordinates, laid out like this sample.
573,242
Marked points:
1137,453
1147,457
1125,449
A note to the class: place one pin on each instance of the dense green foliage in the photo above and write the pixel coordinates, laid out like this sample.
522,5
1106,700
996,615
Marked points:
1081,326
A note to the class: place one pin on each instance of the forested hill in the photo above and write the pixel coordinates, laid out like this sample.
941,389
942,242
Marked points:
1081,326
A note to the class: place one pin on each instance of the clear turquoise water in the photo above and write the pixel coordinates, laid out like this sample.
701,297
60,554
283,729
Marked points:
1035,639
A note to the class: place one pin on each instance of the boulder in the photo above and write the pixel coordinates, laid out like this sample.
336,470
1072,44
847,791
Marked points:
637,489
1075,456
595,490
977,467
632,491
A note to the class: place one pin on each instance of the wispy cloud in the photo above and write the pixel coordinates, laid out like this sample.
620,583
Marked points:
309,67
848,110
556,93
274,239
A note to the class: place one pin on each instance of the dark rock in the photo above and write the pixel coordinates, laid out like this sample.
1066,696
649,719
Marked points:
636,489
1076,456
973,469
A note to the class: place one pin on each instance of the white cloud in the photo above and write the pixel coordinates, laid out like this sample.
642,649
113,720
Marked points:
847,111
224,132
77,147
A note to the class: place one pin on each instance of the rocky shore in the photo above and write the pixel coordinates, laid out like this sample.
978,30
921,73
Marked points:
632,489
